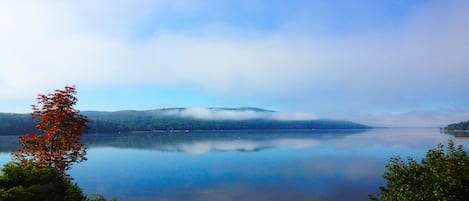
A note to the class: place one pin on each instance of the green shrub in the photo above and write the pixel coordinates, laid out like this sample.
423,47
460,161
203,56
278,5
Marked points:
33,183
443,175
28,182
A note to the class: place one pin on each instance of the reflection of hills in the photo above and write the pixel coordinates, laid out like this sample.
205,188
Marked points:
216,141
462,137
204,141
459,135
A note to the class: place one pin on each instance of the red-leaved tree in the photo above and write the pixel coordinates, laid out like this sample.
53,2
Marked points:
61,125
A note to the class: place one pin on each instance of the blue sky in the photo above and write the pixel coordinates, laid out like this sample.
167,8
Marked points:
390,62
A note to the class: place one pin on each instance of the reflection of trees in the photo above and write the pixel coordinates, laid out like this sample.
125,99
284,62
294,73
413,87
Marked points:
255,140
459,135
170,141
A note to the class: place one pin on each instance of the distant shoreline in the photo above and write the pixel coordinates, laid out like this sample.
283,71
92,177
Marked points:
244,129
455,131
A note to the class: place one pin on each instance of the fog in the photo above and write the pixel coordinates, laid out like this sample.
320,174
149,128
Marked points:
230,114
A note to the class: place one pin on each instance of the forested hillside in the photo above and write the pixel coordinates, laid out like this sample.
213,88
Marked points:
165,120
461,126
13,124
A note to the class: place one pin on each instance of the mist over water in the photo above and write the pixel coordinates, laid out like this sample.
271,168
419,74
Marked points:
246,165
235,114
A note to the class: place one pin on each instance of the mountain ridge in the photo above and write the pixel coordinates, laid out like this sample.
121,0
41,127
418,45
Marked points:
168,119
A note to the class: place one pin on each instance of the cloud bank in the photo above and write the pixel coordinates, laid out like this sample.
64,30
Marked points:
230,114
298,59
239,145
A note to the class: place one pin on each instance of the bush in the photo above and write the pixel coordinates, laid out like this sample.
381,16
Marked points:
442,175
34,183
30,183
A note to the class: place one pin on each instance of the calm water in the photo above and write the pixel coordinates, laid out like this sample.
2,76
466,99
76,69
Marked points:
244,165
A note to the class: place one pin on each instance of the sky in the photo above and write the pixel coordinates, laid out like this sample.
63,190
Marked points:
382,63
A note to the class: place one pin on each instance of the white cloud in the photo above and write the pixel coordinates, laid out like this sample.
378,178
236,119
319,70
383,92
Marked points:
50,44
228,114
204,113
294,116
239,145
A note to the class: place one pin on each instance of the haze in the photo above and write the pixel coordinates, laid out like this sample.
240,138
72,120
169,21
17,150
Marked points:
381,63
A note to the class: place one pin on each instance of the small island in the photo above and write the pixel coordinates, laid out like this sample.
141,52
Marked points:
461,127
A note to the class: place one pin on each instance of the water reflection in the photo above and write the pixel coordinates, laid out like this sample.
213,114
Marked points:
459,135
246,141
217,141
252,140
248,165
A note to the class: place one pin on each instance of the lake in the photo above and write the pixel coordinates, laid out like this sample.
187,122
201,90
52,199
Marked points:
244,165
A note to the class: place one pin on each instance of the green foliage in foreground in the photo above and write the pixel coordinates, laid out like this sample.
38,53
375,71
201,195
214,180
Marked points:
442,175
32,183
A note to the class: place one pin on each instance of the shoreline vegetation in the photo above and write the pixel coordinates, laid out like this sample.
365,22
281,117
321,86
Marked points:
38,170
38,167
443,174
460,128
164,120
241,129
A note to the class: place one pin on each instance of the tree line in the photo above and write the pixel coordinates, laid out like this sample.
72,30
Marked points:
14,124
458,126
38,168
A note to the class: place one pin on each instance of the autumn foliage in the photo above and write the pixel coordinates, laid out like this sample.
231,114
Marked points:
61,126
